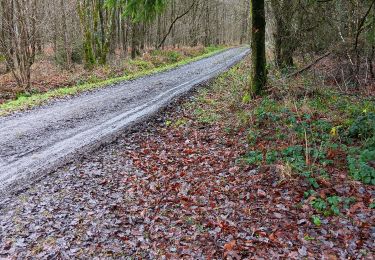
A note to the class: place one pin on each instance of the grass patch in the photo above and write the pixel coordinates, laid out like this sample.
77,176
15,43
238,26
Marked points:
26,101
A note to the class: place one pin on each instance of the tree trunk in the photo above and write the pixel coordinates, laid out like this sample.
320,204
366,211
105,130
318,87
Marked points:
125,36
88,48
259,74
7,48
135,40
284,40
142,36
65,35
370,61
194,28
245,22
207,25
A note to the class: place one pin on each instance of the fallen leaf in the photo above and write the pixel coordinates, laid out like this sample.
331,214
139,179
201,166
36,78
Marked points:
261,193
229,246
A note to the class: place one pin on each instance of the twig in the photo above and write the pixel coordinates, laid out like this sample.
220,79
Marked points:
337,83
309,66
307,149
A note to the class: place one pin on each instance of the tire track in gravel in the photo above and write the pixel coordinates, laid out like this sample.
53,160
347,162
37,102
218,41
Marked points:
38,141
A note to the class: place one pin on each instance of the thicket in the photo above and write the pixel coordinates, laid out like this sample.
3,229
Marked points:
344,30
97,31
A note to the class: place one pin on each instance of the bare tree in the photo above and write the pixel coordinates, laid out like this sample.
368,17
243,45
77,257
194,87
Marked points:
19,29
68,52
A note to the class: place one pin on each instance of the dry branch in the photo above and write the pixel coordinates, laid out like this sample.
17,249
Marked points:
299,72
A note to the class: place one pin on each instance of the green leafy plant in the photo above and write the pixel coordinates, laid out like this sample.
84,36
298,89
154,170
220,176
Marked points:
370,143
294,155
266,117
322,126
308,193
252,136
174,56
246,98
348,201
328,206
363,127
359,165
316,220
310,179
308,238
334,202
168,123
271,156
253,157
319,204
141,64
206,116
180,122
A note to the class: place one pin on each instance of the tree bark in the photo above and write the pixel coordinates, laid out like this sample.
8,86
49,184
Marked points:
284,40
135,40
245,22
259,74
65,36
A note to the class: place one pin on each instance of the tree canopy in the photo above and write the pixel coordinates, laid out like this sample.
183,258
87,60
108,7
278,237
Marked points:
145,10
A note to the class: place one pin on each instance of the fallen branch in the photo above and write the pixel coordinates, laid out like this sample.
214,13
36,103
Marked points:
294,74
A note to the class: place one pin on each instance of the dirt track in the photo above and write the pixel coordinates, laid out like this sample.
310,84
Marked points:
42,139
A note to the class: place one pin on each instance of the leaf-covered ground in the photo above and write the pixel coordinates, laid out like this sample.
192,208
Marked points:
220,176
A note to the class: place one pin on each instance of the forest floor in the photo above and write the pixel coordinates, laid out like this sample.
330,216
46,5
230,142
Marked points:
216,176
49,74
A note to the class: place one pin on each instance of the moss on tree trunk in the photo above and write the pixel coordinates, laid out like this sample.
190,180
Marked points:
135,40
284,39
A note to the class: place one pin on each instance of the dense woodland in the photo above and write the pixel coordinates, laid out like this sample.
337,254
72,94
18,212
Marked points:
344,29
94,32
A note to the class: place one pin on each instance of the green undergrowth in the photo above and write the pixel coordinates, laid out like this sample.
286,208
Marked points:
137,68
304,129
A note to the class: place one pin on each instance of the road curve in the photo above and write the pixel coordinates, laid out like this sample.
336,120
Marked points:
42,139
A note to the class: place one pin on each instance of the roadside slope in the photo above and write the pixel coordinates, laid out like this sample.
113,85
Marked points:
47,137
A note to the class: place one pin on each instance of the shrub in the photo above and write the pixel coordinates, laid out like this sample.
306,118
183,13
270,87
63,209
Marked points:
363,127
360,166
330,206
174,56
77,55
141,64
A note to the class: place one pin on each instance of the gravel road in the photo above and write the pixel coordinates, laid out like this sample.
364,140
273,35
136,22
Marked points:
38,141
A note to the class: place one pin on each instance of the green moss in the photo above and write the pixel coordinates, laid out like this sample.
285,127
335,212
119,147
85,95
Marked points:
141,64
